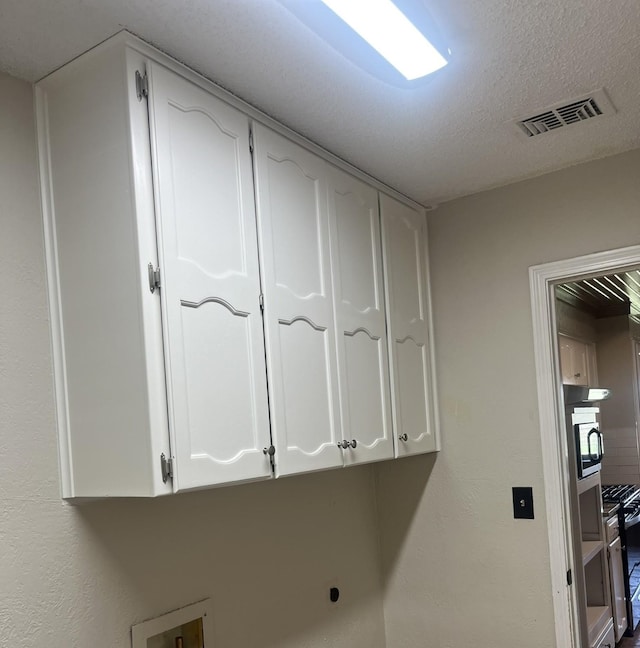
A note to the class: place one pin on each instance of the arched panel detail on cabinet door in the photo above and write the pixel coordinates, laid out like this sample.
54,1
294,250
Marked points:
295,223
220,426
295,257
412,389
366,383
210,285
361,337
409,321
407,271
207,191
358,236
306,383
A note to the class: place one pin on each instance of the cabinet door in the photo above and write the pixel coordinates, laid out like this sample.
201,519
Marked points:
574,361
293,228
618,598
365,407
607,640
210,285
408,318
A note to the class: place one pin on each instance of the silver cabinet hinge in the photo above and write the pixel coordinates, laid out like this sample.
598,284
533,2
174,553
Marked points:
154,277
142,85
270,452
166,467
261,301
250,141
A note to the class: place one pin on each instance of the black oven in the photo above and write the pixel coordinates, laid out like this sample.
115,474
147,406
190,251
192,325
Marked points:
628,496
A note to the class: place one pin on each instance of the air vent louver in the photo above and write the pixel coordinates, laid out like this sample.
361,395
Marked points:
566,113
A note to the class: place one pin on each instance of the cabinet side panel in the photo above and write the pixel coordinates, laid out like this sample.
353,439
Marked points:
93,224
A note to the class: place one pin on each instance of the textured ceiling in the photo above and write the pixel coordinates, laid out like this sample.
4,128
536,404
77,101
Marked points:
449,138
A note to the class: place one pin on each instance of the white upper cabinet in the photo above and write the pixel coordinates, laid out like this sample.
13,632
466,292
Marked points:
291,190
226,305
214,348
577,361
408,318
361,336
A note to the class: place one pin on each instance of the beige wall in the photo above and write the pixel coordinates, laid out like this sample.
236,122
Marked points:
81,576
459,570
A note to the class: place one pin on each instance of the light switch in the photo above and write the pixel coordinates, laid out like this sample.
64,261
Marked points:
523,502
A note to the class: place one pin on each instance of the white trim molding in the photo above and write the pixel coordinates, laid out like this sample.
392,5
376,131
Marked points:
542,279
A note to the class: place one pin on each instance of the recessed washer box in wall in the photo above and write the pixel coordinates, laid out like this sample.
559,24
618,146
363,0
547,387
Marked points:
188,627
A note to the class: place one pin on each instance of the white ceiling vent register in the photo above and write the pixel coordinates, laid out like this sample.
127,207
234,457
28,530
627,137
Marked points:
595,104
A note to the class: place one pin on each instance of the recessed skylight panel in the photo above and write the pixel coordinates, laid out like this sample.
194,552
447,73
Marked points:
397,42
391,34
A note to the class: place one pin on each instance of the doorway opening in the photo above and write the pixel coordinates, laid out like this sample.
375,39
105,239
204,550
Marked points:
544,279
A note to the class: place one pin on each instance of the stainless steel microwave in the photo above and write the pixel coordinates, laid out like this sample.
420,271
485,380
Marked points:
583,410
589,447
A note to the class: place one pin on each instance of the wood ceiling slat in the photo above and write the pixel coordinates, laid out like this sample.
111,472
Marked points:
578,290
628,281
594,291
632,292
615,294
607,294
592,299
635,290
618,287
634,277
585,296
571,288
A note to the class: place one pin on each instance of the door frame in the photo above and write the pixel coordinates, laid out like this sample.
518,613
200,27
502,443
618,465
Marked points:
542,279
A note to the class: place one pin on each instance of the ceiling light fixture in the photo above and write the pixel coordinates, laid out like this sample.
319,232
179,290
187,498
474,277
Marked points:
398,42
391,34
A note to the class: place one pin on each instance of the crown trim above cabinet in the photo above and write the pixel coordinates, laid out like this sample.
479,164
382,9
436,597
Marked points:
263,348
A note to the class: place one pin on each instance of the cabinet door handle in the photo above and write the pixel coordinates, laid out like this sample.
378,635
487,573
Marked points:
353,443
404,437
343,444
